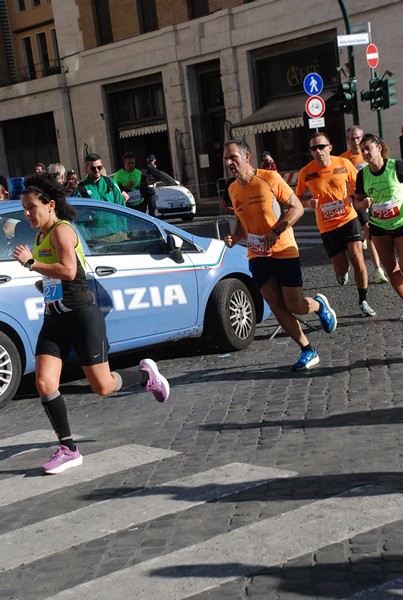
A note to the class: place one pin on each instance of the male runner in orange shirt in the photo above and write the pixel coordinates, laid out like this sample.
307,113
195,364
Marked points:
353,154
259,198
327,178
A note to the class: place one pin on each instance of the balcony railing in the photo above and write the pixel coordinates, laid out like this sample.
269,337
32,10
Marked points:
33,71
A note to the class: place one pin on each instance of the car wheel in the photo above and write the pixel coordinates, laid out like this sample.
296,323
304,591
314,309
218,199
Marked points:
231,315
10,369
187,217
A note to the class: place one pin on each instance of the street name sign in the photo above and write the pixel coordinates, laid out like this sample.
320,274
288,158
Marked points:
352,39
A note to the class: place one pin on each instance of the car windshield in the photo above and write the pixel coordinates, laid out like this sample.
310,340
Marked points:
14,231
165,179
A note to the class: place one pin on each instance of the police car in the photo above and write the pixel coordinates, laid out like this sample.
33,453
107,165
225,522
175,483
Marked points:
153,281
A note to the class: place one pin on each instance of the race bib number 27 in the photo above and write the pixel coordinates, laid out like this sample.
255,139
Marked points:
52,289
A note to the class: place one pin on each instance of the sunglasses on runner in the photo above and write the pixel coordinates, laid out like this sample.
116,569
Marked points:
318,147
96,168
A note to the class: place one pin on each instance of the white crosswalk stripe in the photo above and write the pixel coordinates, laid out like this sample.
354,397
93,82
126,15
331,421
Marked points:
265,544
24,442
96,465
194,568
37,541
307,236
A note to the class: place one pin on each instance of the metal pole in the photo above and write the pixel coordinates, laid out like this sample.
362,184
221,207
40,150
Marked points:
380,123
378,111
351,64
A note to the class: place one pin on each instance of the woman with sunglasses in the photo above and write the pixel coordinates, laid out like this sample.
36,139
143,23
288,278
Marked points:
72,319
380,189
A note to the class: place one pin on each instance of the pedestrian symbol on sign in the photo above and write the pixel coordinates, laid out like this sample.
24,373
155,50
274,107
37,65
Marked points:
313,84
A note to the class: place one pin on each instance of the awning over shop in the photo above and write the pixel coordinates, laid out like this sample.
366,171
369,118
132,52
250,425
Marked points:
144,130
277,115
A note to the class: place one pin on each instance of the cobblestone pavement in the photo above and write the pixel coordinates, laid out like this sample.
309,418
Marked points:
320,518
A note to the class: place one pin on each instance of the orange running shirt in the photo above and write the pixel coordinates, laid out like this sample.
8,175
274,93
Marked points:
257,206
358,161
329,184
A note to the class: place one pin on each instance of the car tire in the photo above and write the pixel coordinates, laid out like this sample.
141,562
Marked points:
231,315
10,369
187,217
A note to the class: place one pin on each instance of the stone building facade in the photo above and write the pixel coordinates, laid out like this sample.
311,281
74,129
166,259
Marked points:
179,77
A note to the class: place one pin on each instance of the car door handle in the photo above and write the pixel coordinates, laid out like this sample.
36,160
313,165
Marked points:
103,271
4,278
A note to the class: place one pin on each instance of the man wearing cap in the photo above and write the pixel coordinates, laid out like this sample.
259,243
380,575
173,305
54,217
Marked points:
71,181
149,176
267,161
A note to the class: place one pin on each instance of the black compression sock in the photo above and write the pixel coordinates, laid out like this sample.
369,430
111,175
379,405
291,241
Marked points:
362,294
128,378
308,347
56,411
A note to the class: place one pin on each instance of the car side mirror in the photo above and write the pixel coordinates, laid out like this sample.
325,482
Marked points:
174,248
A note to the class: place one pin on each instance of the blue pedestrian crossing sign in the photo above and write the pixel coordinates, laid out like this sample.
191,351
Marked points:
313,84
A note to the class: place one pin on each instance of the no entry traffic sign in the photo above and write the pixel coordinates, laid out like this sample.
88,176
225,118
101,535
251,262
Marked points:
315,106
372,56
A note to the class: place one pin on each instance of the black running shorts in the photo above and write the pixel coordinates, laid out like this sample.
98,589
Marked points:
287,270
336,241
375,230
82,330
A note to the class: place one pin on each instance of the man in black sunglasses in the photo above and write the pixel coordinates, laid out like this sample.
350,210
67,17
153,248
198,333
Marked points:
328,178
96,185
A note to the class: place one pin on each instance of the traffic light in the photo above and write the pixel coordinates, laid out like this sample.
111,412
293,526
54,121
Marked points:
387,92
371,95
380,93
376,97
366,95
346,95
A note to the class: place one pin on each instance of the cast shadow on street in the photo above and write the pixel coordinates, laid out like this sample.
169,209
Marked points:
324,580
268,491
232,373
365,418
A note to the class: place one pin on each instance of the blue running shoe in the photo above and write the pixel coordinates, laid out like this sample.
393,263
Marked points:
308,359
327,316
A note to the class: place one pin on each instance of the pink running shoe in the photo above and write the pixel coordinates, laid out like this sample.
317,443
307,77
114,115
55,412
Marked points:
157,384
61,460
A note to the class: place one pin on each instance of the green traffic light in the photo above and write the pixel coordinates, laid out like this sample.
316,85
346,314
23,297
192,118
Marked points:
387,92
346,95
